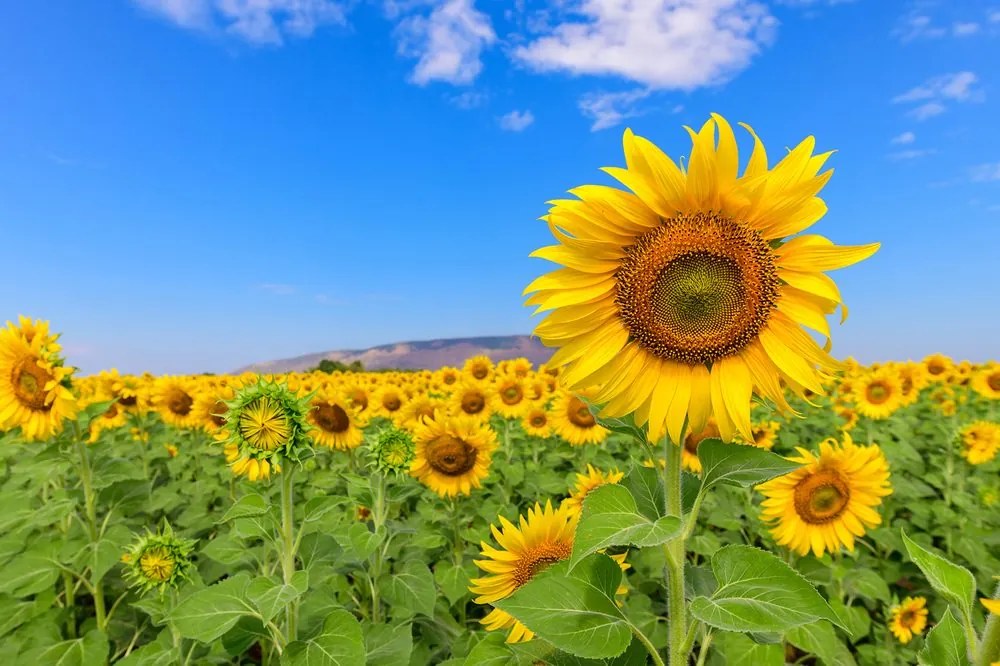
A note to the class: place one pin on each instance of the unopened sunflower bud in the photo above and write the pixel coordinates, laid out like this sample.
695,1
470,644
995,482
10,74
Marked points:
158,561
392,450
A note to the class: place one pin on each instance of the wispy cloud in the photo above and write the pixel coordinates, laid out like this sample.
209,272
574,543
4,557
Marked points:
983,173
468,99
447,43
931,95
910,154
610,109
516,121
255,21
904,138
662,44
278,289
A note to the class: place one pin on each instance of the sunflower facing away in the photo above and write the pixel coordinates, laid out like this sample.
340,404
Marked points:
594,478
830,500
684,296
542,537
908,619
452,454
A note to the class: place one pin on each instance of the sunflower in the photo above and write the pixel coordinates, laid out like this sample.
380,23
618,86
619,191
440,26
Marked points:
358,395
573,421
536,422
210,407
472,399
594,478
112,417
828,501
849,414
509,398
519,367
878,394
682,298
34,384
418,408
479,369
448,376
908,619
127,389
980,441
764,434
939,367
453,454
912,379
174,398
542,537
158,561
986,381
337,424
689,452
389,400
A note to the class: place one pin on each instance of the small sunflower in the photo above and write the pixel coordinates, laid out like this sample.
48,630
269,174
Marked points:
939,367
472,399
980,441
113,417
479,369
210,407
536,422
174,399
448,376
337,424
509,396
908,619
392,450
34,384
418,408
830,500
573,421
389,401
689,452
453,454
986,381
765,434
593,478
158,561
878,394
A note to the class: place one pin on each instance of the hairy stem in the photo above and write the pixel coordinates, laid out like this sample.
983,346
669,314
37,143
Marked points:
288,548
90,509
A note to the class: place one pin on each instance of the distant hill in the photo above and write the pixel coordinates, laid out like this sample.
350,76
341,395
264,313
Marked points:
429,354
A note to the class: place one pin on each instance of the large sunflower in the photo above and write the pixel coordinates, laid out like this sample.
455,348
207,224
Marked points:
939,367
452,454
685,296
828,502
34,384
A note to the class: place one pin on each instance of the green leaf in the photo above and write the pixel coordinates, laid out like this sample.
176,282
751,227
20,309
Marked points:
820,639
208,614
646,488
29,573
868,584
226,549
453,581
91,650
247,506
739,465
759,593
611,518
574,610
247,631
270,597
950,580
359,540
387,645
945,644
741,650
410,589
339,644
160,652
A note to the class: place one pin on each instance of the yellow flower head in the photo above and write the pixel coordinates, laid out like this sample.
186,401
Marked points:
980,442
594,478
879,393
573,421
908,619
453,454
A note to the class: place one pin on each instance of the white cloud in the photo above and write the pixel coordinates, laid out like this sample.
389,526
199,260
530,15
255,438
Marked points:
985,172
678,108
994,16
468,99
660,43
447,42
917,26
911,154
928,110
964,29
610,109
516,121
935,91
904,138
256,21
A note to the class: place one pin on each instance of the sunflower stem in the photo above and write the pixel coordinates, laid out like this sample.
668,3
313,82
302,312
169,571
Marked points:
90,508
648,644
676,610
375,560
989,648
288,548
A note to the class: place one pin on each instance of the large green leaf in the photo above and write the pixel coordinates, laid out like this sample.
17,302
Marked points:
208,614
574,610
340,643
945,644
646,487
91,650
740,650
953,582
29,573
453,581
410,589
611,518
270,596
388,645
759,593
739,465
821,639
247,506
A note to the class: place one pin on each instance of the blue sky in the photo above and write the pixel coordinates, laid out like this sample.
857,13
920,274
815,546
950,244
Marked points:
193,185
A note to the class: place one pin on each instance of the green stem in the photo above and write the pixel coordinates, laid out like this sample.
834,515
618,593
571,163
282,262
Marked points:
375,561
70,586
288,547
650,648
90,508
989,648
703,650
676,609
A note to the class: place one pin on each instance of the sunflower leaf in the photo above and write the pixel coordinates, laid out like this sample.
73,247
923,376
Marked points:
952,581
945,644
739,465
209,613
611,518
574,610
820,639
759,593
340,643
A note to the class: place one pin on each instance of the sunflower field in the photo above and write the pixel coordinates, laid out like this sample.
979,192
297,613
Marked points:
691,479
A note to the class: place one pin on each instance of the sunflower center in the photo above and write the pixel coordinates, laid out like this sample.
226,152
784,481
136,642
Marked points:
450,378
451,456
538,420
111,412
331,418
994,381
128,400
156,564
935,367
179,402
907,618
821,497
697,288
579,414
480,371
692,441
877,393
511,395
360,398
263,425
29,380
539,558
392,402
473,403
218,415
